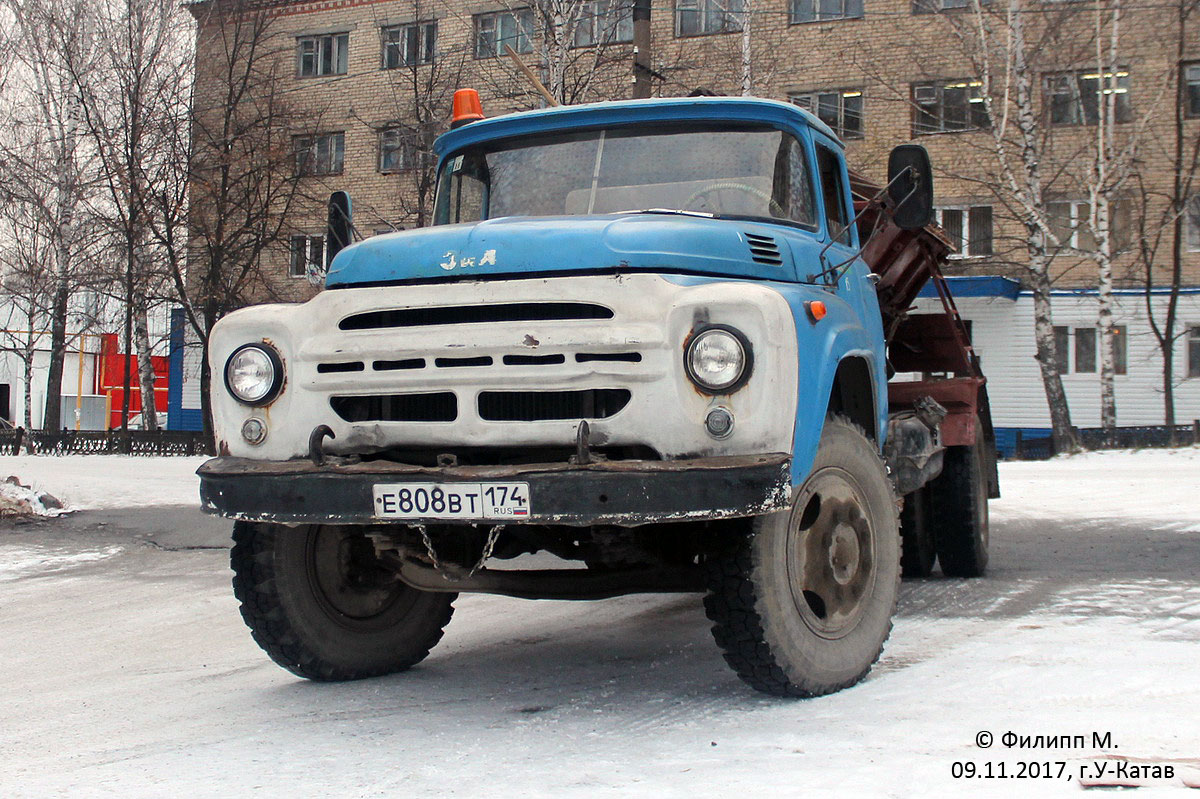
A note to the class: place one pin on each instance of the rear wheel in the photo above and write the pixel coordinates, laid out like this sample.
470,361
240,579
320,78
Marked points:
802,605
918,551
959,509
322,606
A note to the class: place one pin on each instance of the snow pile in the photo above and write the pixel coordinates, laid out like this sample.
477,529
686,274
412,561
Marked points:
1157,486
17,499
86,482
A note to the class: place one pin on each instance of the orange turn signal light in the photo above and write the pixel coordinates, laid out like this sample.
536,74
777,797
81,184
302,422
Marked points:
816,310
467,108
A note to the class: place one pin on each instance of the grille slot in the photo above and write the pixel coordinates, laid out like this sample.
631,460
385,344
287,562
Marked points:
538,406
625,357
533,360
764,250
441,407
407,363
482,360
350,366
475,314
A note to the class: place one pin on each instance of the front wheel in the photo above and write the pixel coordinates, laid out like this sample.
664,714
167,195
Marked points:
803,604
322,606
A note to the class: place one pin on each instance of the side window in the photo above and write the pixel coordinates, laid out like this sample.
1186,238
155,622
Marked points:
833,193
793,184
462,195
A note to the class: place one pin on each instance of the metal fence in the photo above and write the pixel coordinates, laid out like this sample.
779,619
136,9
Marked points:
109,442
1160,436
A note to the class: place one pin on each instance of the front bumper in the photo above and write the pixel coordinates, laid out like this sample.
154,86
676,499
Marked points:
627,493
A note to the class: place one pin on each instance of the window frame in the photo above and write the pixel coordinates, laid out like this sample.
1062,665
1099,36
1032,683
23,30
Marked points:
426,43
1193,351
339,54
941,7
1189,84
850,9
705,11
617,28
306,253
525,29
404,146
311,167
940,87
1124,111
965,250
842,94
1191,224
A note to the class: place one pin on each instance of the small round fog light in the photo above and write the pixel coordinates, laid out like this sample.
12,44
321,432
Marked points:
254,431
719,423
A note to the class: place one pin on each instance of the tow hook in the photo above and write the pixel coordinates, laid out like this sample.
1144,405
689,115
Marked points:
315,439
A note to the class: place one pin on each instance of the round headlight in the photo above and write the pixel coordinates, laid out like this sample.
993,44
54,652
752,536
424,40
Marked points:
254,374
718,359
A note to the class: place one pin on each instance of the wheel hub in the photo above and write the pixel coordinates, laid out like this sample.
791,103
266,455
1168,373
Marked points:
347,576
832,560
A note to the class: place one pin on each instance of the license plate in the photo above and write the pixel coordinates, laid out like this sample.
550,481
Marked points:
452,500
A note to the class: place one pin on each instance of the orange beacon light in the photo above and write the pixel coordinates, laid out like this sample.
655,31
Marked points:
467,108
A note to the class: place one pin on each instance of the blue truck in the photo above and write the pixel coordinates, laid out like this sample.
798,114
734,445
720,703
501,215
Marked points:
668,344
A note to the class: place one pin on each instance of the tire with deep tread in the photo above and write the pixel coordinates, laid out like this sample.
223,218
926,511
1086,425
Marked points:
918,550
283,604
959,509
757,592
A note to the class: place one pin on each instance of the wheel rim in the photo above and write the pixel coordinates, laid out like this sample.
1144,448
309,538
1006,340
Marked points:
346,579
831,553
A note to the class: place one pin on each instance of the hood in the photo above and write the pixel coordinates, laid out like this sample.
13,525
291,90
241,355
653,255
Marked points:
521,246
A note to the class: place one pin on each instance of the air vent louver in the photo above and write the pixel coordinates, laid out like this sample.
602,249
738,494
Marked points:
764,250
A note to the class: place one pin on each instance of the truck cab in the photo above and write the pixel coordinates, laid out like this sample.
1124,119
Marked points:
646,337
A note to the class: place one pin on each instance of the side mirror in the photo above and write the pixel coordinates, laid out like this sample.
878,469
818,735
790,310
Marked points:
339,228
910,185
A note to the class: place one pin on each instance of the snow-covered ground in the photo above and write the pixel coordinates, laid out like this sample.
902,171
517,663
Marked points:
109,481
130,673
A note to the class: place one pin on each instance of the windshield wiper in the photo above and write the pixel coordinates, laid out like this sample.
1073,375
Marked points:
675,211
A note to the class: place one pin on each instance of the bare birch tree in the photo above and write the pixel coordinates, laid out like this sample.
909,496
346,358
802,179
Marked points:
46,125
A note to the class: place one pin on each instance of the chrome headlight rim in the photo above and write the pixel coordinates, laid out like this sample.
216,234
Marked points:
276,374
747,359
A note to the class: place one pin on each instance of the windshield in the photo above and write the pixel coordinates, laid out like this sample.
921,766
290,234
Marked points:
753,172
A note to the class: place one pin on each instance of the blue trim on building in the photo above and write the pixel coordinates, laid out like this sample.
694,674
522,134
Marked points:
179,417
978,286
1006,438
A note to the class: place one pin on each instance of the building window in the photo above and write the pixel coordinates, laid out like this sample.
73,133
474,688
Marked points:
701,17
604,22
969,229
320,155
396,153
1070,221
1074,97
322,55
493,31
1120,345
409,45
1191,224
1191,89
934,6
308,256
949,106
1193,352
822,10
840,109
1085,349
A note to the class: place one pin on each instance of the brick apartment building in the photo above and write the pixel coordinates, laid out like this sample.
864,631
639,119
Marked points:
369,83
